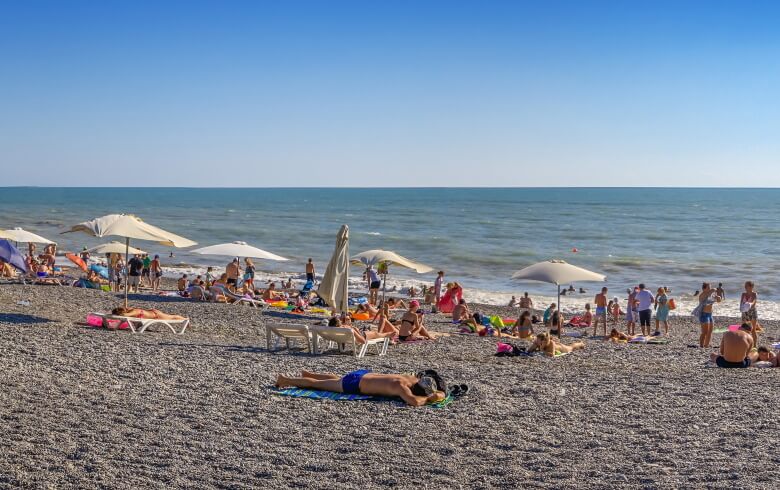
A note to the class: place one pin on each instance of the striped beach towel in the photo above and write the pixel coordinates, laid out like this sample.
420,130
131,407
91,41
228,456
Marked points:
330,395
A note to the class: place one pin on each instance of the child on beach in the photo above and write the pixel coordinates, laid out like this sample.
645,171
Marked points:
548,314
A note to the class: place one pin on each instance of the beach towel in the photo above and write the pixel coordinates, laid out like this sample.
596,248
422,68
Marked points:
348,397
649,340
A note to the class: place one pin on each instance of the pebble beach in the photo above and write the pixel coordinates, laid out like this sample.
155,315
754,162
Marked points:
95,408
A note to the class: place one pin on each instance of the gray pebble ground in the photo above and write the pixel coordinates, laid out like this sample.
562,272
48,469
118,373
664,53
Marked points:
93,408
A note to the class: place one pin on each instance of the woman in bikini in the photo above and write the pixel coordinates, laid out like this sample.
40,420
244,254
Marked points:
707,298
411,324
143,313
545,343
362,337
523,327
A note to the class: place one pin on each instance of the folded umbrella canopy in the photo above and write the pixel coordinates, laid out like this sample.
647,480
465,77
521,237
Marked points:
129,226
9,253
77,260
557,272
334,286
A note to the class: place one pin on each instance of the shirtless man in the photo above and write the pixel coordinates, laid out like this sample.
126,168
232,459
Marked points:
601,310
526,303
310,274
232,271
416,390
735,348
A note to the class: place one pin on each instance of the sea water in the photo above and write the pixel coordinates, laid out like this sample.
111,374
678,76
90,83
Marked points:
479,236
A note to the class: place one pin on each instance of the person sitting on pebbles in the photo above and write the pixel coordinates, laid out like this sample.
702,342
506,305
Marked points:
411,324
735,349
415,389
545,343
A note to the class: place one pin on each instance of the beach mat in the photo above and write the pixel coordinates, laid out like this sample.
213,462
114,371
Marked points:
348,397
649,340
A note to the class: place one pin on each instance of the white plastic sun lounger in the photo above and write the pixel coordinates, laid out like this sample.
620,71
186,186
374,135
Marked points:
290,332
344,337
139,325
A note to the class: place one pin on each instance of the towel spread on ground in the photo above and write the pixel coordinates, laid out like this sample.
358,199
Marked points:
331,395
649,340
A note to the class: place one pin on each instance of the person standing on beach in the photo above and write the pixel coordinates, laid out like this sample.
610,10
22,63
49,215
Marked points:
631,313
310,273
156,271
249,274
232,271
437,290
645,302
374,283
526,302
721,292
601,310
661,311
707,298
134,267
747,306
146,275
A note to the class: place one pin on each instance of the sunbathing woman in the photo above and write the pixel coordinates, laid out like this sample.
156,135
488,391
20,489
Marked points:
143,313
396,303
523,327
411,324
616,336
545,343
383,322
367,308
361,337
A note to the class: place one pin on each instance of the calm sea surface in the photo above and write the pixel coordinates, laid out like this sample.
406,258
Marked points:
672,237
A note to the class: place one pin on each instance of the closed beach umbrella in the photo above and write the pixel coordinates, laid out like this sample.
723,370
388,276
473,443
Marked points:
376,257
129,226
77,260
10,254
114,248
23,236
237,249
333,288
557,272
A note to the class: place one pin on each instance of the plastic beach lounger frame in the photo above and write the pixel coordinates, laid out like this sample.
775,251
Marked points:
139,325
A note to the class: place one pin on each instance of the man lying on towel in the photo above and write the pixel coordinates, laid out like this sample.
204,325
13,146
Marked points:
735,349
416,390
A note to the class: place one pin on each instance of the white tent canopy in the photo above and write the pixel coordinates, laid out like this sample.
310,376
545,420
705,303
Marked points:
114,248
334,286
24,236
237,249
374,257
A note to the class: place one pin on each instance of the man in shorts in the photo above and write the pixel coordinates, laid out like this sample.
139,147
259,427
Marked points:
134,267
374,283
232,272
146,278
735,349
310,274
601,310
415,389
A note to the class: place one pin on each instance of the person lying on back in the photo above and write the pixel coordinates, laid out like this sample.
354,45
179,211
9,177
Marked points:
735,348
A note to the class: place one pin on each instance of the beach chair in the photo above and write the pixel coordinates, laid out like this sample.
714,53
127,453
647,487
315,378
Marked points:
234,298
290,332
199,294
139,325
344,338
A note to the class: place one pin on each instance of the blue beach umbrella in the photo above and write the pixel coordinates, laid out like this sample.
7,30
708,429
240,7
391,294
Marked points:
99,270
9,253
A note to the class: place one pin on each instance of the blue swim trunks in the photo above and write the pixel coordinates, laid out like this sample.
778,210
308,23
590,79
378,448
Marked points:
350,383
705,318
601,310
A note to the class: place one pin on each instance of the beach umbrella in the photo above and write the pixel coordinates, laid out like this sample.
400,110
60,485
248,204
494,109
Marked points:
4,234
333,288
237,249
557,272
9,253
377,257
129,227
23,236
114,248
77,260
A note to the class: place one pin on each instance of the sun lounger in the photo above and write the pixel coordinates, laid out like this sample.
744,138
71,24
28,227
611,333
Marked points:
344,337
234,298
199,294
289,332
139,325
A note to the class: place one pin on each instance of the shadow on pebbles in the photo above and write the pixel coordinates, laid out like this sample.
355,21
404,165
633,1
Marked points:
91,408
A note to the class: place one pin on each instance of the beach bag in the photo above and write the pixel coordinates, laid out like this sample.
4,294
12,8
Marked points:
672,304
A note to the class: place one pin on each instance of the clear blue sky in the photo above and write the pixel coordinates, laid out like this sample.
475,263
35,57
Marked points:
396,93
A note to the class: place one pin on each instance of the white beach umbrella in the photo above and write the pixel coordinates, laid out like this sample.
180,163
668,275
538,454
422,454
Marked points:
5,235
557,272
237,249
23,236
376,257
334,286
114,248
129,226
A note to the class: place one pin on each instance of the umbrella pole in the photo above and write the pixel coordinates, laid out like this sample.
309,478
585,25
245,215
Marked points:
384,287
127,268
559,308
